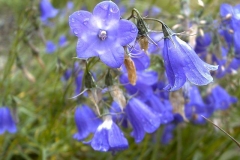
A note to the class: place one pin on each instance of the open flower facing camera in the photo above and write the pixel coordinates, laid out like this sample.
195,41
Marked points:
102,33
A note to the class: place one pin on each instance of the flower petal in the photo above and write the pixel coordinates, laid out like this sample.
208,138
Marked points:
107,11
195,69
86,49
226,9
80,25
116,139
112,55
142,118
100,140
127,32
173,64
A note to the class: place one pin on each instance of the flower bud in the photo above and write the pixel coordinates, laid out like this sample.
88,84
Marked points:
108,79
131,69
143,43
88,80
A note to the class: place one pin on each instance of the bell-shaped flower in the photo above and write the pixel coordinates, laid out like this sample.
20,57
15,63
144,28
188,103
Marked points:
108,137
167,134
7,122
86,122
202,42
102,33
118,115
230,23
50,47
164,109
182,64
233,66
196,107
142,118
62,42
220,98
78,82
143,88
153,11
47,10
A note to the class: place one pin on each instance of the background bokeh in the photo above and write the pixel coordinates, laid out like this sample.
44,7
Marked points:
41,103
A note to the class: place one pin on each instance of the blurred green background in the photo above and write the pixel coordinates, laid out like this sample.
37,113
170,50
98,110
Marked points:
46,115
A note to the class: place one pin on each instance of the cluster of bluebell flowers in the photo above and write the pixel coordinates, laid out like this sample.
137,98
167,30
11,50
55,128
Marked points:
124,47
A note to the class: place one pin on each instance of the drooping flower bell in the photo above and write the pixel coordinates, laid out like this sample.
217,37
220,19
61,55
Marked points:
220,99
196,107
102,34
47,10
86,122
142,118
7,122
143,88
50,47
164,109
202,43
182,63
108,137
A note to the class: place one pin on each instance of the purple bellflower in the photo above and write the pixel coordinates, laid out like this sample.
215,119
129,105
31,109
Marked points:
66,75
47,10
196,107
108,137
233,66
7,122
62,42
143,88
102,34
182,64
167,135
50,47
220,99
202,42
152,12
118,115
164,109
230,22
142,118
86,122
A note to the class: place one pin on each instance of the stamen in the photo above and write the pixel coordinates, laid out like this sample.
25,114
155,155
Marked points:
102,35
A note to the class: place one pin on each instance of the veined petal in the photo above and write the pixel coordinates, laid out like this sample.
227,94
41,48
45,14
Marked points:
100,140
173,64
86,122
142,118
107,11
86,49
116,139
112,55
195,69
80,24
127,32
